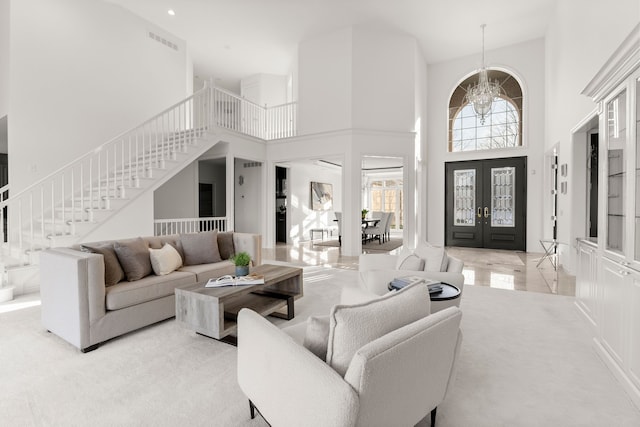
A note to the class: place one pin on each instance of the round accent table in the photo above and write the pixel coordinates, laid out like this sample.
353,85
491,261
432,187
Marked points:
449,297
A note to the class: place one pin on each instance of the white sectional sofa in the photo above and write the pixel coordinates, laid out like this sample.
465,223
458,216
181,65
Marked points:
87,300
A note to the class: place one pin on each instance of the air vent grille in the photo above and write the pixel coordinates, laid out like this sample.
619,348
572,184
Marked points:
252,164
162,40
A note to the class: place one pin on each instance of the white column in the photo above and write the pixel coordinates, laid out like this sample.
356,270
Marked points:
351,203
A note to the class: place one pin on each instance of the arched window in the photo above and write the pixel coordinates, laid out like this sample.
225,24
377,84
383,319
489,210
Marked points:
502,127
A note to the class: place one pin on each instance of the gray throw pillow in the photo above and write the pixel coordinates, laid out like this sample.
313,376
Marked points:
134,258
113,273
200,248
225,245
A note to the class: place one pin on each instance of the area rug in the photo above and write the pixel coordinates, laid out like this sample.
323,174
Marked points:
389,245
526,360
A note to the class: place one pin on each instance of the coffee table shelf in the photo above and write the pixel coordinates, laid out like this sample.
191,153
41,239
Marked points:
213,311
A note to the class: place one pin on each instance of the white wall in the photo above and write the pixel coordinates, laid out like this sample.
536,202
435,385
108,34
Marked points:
249,211
265,89
4,57
420,148
324,82
82,71
178,197
526,62
383,86
300,216
579,41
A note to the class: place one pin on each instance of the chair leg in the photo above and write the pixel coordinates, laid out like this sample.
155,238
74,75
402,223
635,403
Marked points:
433,417
252,409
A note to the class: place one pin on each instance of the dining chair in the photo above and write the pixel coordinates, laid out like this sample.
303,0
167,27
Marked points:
377,231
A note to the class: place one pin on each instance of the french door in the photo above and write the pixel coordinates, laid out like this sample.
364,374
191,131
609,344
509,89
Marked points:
485,203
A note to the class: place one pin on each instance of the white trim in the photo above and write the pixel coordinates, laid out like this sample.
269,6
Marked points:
617,68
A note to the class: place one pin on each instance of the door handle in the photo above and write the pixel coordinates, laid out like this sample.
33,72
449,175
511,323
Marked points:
479,212
486,212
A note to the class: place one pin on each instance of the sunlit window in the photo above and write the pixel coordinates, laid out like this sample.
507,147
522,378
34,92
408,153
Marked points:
502,127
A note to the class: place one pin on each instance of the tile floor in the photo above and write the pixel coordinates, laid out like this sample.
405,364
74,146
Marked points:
483,267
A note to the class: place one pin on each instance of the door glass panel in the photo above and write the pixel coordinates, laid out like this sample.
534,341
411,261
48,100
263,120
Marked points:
616,139
464,198
637,218
503,182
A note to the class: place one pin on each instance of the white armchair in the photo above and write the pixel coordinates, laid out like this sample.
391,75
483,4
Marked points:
395,375
429,262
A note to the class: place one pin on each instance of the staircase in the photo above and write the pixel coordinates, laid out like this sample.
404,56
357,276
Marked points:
68,204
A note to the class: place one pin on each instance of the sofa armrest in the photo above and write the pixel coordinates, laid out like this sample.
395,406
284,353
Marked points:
368,262
250,243
267,357
72,291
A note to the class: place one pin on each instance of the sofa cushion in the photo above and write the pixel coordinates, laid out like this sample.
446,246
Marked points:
316,337
435,259
410,262
133,255
352,326
204,272
126,294
112,269
200,248
165,260
225,245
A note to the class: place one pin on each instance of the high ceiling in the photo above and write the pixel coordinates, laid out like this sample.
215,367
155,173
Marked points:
232,39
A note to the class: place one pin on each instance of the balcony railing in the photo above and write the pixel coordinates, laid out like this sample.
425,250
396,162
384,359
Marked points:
163,227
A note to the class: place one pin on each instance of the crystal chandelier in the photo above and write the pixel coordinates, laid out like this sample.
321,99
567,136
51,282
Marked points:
482,94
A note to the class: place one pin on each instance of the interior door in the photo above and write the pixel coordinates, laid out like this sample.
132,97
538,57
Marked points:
486,203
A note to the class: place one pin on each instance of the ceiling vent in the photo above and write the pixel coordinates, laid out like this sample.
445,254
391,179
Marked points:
162,40
252,164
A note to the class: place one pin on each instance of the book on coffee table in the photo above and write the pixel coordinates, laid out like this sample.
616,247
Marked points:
228,280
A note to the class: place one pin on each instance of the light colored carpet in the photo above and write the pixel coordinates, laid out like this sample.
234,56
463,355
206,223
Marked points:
526,360
389,245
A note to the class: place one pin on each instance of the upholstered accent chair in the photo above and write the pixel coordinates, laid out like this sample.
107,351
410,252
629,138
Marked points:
425,261
381,362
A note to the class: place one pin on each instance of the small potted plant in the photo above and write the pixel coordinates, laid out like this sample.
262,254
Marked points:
241,260
364,213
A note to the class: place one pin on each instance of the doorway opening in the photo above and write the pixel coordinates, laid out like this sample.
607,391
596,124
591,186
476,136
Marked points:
281,204
212,182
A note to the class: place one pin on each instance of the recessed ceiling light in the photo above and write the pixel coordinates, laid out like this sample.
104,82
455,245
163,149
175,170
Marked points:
171,12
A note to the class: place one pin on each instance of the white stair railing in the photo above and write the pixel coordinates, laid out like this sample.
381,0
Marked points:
163,227
54,205
281,121
236,113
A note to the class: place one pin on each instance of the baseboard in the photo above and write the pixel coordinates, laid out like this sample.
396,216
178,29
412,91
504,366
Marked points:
632,391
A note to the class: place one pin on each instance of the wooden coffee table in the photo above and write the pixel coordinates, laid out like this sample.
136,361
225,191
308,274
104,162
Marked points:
213,311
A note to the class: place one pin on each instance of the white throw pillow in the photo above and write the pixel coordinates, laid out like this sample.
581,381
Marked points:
435,258
352,326
165,260
410,262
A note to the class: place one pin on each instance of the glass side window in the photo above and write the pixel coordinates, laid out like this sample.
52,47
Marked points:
616,139
503,182
464,198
